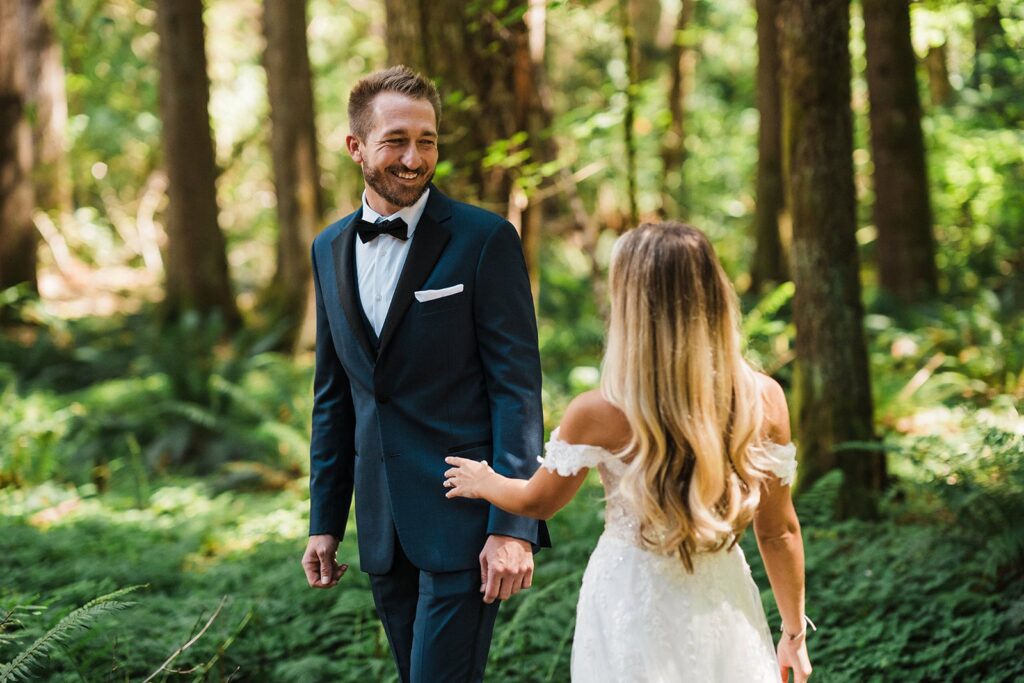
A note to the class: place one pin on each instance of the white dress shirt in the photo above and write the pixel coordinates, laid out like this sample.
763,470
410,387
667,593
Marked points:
379,262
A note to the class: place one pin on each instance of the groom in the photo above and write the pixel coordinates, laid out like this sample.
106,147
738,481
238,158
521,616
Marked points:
426,346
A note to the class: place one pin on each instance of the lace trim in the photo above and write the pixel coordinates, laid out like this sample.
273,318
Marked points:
784,466
567,459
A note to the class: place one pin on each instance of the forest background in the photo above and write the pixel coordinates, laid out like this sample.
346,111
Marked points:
164,166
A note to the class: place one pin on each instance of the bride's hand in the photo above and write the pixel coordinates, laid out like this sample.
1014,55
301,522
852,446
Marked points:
792,654
466,478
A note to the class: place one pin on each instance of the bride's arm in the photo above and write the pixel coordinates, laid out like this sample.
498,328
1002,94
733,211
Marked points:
778,538
589,419
541,496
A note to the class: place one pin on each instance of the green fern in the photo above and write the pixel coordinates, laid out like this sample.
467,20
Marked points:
20,668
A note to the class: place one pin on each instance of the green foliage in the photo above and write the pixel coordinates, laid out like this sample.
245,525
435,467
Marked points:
931,592
113,132
101,400
912,597
978,192
571,331
969,349
769,333
21,667
977,473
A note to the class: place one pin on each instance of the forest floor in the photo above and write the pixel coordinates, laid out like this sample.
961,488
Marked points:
902,599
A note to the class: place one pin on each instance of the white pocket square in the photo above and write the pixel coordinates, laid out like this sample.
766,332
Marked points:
431,294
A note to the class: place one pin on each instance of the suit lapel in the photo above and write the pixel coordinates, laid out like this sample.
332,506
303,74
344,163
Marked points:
428,242
343,247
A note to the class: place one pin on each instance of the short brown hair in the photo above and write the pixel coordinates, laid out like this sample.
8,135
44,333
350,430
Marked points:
399,79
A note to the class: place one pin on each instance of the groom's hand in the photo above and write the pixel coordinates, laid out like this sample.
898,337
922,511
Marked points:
506,567
320,562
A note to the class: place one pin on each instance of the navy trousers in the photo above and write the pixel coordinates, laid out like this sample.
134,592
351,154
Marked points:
437,623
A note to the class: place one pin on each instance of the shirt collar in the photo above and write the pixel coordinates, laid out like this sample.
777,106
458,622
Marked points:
410,214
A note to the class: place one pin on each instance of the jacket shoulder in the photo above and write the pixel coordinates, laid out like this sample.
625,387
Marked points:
470,217
328,234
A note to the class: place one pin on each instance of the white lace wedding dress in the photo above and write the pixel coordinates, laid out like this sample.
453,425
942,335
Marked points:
642,617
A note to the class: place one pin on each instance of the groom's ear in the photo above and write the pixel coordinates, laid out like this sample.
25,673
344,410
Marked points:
355,148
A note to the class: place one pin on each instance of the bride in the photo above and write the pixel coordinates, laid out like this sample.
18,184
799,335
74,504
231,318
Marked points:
691,445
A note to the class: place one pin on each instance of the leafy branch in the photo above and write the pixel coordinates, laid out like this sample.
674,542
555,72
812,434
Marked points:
21,666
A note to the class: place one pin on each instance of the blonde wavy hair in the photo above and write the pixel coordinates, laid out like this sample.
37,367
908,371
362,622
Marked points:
674,366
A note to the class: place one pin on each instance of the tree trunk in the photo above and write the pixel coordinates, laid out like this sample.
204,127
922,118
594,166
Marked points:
989,36
197,269
937,64
47,97
645,17
628,117
529,82
480,57
902,211
296,170
18,237
682,59
833,392
769,263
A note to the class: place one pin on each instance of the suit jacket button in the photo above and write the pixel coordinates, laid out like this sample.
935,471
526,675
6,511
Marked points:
383,399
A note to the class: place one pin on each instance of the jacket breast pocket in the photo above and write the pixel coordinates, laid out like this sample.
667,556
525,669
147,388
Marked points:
435,306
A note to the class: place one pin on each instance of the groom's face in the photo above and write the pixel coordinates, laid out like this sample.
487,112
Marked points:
399,154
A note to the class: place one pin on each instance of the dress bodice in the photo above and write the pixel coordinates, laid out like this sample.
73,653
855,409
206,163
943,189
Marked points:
620,521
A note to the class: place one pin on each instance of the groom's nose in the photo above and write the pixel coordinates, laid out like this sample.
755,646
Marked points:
411,157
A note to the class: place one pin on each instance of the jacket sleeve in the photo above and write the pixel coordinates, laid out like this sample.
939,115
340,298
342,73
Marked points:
506,329
332,443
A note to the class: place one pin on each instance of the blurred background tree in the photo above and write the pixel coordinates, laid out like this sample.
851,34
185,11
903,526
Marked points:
47,99
902,209
769,264
197,267
296,169
18,237
832,384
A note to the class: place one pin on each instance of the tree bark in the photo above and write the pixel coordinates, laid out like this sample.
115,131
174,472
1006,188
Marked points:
902,211
494,123
682,59
197,269
296,169
769,263
832,385
989,36
937,64
18,237
628,118
530,86
47,97
645,17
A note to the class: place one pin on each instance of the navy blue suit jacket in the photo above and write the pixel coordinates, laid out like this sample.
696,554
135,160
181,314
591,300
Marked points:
459,375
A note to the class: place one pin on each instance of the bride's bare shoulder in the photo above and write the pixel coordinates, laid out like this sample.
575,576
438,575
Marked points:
776,412
591,419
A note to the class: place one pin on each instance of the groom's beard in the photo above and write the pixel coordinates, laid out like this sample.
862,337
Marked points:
391,189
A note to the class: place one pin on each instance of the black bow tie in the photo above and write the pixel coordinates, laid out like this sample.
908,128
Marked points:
370,231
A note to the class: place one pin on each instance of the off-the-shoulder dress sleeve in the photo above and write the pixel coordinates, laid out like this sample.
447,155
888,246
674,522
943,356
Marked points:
783,461
567,459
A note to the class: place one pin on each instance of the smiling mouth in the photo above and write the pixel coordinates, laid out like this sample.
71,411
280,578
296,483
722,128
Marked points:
406,175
